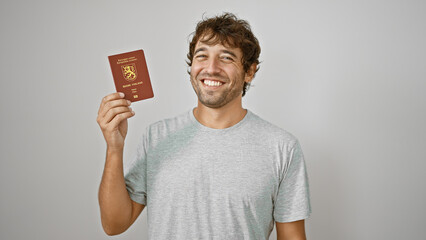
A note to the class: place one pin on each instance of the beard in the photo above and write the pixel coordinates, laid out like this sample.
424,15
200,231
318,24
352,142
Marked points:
217,98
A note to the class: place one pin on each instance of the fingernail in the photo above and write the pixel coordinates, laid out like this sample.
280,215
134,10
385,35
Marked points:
128,102
121,94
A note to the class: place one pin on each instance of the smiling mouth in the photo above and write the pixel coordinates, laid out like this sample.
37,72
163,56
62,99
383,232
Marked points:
212,83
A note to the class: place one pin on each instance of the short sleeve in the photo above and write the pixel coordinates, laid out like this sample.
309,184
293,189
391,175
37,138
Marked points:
293,199
135,173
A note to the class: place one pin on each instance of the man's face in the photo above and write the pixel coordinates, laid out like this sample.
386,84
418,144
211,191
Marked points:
217,74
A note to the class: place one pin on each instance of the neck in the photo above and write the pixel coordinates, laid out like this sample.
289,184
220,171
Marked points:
220,118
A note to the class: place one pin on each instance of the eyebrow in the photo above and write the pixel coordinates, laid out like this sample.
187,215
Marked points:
199,50
230,53
224,51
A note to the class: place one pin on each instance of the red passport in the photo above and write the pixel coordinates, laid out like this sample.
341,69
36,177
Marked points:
131,76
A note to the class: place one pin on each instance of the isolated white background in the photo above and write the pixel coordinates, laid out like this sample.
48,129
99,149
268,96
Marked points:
346,77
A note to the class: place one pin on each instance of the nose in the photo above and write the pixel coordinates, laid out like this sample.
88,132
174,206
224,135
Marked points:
213,66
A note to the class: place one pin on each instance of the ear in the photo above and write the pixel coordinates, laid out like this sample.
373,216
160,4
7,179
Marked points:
250,73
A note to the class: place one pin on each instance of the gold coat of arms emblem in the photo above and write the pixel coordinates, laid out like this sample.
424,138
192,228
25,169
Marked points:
129,72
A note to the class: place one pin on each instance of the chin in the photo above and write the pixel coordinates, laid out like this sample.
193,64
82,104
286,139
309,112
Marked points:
212,105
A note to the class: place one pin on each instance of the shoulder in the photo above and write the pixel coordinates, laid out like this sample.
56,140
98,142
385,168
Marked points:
266,130
168,126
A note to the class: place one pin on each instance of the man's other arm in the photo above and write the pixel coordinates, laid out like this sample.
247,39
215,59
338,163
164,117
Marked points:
291,230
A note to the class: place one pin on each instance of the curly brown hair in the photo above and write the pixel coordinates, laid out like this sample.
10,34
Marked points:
228,30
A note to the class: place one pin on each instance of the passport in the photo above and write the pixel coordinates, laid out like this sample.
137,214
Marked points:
130,74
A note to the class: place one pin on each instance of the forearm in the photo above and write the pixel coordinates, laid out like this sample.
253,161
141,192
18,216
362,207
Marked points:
292,238
291,230
114,201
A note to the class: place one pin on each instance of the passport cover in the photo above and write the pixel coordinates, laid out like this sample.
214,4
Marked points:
131,76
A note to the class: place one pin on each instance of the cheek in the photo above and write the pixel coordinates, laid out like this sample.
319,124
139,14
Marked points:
236,75
195,70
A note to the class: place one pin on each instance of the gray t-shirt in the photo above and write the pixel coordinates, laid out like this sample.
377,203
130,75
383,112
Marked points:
204,183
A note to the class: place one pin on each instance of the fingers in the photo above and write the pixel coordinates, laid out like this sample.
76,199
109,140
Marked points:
115,111
112,101
108,98
120,117
112,105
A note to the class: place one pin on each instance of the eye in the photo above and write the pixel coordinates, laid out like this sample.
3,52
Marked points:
227,58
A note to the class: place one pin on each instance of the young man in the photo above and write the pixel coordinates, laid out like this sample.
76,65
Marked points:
216,172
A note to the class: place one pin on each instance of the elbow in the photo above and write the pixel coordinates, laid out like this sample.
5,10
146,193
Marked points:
112,233
113,229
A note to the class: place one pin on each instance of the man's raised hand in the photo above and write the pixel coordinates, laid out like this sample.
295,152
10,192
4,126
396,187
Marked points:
112,118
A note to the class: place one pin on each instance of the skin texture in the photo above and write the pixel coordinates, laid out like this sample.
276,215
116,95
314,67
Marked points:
217,63
291,230
219,107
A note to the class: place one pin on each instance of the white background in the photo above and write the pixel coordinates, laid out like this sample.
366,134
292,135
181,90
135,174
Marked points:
346,77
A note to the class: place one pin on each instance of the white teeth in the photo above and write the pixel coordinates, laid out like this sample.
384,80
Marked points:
212,83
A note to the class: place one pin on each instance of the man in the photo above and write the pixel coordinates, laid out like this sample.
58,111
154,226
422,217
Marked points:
216,172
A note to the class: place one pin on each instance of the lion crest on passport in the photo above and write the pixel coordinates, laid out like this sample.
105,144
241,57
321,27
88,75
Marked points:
129,72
